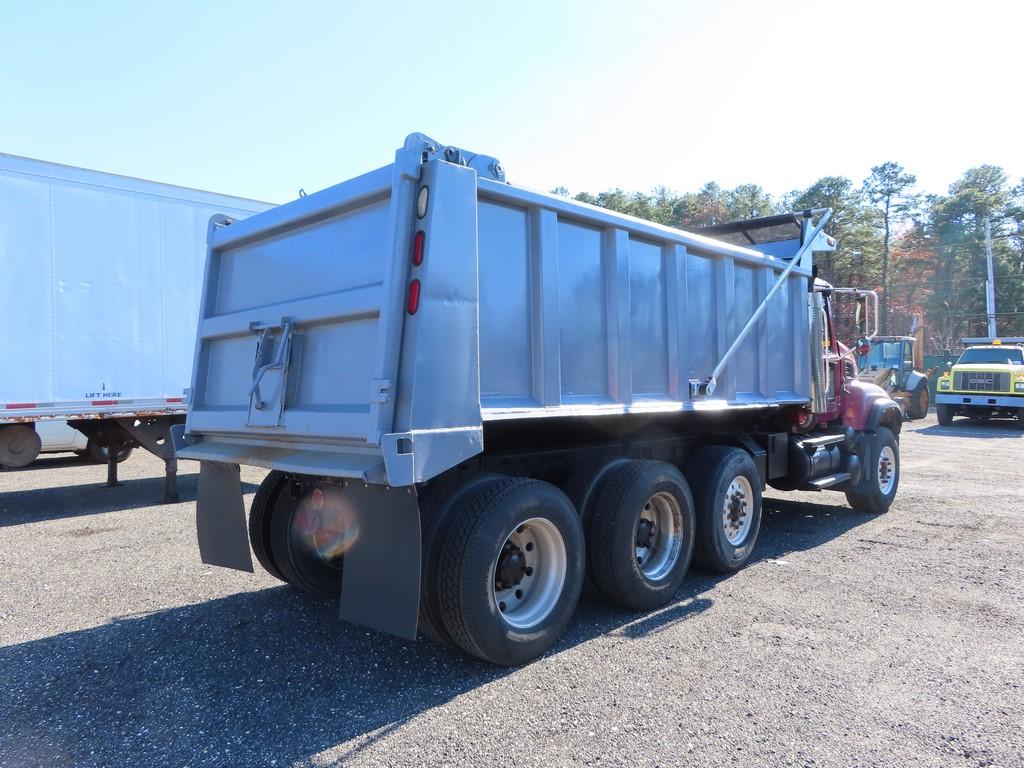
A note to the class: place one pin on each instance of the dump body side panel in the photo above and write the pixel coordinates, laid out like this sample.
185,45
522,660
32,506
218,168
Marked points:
587,311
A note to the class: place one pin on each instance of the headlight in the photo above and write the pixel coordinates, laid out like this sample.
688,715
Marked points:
943,383
1018,386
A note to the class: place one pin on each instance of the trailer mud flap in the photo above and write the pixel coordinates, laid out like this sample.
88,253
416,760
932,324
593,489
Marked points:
220,517
380,587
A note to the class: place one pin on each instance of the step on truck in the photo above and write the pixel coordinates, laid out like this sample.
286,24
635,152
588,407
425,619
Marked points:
96,273
473,397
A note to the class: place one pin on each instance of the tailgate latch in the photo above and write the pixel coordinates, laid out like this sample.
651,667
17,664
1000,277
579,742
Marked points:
279,362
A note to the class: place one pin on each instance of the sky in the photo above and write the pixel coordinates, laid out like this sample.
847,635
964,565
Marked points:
261,99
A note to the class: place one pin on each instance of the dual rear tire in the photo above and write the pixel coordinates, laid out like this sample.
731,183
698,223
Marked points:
299,538
504,557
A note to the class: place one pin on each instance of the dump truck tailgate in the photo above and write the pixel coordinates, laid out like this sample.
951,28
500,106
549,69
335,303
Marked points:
299,307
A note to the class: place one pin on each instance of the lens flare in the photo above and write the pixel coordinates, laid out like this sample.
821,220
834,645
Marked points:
325,524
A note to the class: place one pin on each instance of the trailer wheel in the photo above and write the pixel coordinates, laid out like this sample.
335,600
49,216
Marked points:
883,460
917,402
308,539
99,453
19,445
945,414
438,505
642,534
260,514
511,570
727,496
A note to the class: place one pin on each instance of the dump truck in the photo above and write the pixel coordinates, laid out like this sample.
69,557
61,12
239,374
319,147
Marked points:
473,396
101,276
986,382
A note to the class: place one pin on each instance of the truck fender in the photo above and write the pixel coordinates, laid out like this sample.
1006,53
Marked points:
914,380
867,407
885,413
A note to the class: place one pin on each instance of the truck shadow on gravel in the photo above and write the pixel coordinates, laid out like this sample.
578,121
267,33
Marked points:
268,675
67,501
979,429
55,461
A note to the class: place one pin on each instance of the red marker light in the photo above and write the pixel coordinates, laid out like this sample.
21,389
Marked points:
417,248
414,297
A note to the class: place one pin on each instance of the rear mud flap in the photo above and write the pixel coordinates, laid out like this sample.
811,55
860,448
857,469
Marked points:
380,588
220,517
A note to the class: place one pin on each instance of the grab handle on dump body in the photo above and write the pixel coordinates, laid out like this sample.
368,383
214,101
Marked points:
280,361
708,387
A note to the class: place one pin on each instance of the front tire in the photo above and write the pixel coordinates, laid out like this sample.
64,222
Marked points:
884,460
917,404
945,414
727,495
511,570
642,535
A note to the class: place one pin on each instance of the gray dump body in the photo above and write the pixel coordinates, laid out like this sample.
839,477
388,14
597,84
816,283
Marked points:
529,305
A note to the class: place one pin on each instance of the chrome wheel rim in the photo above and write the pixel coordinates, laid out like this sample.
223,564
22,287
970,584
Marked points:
659,536
886,469
529,573
737,510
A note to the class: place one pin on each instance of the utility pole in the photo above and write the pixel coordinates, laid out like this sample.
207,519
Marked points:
990,284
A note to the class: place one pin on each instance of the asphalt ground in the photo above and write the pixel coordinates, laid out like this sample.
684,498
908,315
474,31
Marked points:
851,640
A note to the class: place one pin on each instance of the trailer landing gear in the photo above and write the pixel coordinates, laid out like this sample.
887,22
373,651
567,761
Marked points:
122,434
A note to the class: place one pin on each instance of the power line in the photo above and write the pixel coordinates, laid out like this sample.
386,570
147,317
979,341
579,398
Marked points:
970,280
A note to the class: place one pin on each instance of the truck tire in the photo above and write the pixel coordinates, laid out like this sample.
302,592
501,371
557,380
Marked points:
727,498
99,453
260,513
19,445
642,536
882,463
438,505
511,570
917,401
308,539
945,414
583,489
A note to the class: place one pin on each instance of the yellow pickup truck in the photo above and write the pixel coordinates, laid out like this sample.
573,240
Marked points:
986,382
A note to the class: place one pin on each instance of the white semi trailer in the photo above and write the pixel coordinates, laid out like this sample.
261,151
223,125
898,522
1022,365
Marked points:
100,277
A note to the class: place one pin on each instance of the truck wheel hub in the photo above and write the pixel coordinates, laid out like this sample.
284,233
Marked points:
511,567
736,513
645,533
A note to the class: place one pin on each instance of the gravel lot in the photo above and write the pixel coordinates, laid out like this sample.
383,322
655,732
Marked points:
852,640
